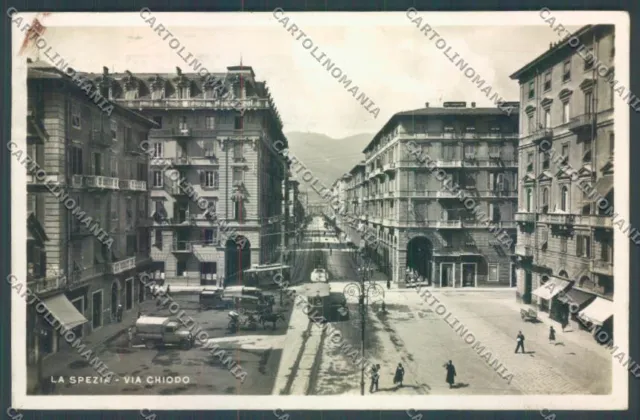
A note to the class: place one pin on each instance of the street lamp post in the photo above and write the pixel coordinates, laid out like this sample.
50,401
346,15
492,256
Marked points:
362,291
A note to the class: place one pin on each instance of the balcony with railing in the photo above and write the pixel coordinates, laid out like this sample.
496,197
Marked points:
46,284
497,193
133,185
77,181
594,221
581,122
82,276
100,138
219,104
446,224
101,182
557,218
448,163
183,161
389,167
182,246
604,268
526,217
121,266
540,135
182,132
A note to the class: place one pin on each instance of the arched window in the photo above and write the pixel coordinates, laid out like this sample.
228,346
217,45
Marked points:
564,198
545,200
528,200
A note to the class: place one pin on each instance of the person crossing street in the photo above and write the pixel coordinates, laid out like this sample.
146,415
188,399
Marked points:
520,340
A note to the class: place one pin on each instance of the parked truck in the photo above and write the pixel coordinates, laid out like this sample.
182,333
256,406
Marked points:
156,331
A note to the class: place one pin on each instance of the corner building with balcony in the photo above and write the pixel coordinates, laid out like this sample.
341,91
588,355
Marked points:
214,147
88,230
564,218
423,225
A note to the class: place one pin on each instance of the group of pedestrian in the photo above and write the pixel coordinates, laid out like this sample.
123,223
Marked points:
398,377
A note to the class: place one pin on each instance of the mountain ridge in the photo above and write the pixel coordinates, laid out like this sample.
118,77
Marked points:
325,163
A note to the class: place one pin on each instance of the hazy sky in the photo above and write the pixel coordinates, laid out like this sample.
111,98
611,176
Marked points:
396,65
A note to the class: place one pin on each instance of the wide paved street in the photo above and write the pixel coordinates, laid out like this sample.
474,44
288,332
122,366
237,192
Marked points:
411,333
297,359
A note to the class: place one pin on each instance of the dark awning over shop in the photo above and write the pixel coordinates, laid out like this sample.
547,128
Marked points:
576,297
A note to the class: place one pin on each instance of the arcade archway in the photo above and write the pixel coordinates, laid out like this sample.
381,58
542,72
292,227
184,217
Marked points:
420,256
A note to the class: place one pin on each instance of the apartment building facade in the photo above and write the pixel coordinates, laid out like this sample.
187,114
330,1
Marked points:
217,182
351,204
422,225
89,228
565,235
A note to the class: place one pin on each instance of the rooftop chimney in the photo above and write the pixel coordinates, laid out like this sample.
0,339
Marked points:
426,105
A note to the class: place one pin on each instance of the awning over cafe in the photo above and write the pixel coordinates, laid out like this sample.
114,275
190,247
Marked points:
64,311
551,288
598,311
576,297
603,186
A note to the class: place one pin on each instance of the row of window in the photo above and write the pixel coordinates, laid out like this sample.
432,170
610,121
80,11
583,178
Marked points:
583,246
76,165
209,179
566,75
209,147
587,146
209,122
182,92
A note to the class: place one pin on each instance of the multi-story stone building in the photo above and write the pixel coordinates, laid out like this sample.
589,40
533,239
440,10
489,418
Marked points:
566,169
216,177
87,208
352,204
420,220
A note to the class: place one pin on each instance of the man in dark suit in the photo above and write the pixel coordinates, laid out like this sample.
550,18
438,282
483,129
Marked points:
520,340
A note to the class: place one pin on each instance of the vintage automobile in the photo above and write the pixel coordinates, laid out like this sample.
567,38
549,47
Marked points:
319,275
211,299
156,331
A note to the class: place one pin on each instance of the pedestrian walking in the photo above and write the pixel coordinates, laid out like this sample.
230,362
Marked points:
451,373
168,290
552,335
130,335
139,314
374,380
520,340
399,376
119,313
388,284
